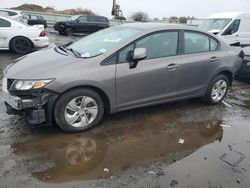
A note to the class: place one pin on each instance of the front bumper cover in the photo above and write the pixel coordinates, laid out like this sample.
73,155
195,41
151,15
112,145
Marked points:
36,106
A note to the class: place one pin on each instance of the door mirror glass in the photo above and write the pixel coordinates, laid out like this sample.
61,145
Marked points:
140,54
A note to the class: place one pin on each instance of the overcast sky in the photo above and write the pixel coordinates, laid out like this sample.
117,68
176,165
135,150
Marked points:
155,8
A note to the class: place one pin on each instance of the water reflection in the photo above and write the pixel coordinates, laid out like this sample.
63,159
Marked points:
126,140
81,151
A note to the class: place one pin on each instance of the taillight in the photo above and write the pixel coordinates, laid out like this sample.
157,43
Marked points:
42,34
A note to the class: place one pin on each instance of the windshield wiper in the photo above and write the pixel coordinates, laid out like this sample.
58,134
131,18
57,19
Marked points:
62,48
77,54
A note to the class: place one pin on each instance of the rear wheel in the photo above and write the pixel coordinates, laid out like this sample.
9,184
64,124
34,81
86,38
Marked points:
21,45
79,110
217,90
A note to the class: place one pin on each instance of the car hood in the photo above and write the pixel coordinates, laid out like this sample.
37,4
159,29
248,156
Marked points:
35,64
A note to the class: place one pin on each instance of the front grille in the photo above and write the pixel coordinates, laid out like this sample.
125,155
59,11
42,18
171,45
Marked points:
9,83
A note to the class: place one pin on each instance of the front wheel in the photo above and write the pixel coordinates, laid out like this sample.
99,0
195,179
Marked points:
69,31
217,90
61,33
79,110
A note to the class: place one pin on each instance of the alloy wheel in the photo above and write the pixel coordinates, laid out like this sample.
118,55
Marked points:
81,111
219,90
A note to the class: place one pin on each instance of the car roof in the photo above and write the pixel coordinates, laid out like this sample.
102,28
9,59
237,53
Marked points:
6,9
158,26
90,15
231,15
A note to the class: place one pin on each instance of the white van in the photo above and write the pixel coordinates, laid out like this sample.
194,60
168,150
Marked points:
233,26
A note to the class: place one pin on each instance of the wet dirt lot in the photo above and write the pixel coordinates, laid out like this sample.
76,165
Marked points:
182,144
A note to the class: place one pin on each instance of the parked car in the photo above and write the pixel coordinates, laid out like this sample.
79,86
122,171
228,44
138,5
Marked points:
13,14
233,26
245,67
116,69
20,38
82,24
33,19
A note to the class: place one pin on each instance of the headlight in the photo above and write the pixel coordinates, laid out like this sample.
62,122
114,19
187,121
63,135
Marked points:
29,84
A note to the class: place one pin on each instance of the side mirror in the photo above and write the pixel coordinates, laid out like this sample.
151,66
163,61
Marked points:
139,54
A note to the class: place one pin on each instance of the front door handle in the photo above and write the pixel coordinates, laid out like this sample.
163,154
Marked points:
172,66
213,59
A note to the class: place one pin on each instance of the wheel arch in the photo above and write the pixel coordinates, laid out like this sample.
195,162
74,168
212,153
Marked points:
102,93
228,74
69,26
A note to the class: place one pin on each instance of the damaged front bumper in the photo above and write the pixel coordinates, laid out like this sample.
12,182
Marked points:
36,105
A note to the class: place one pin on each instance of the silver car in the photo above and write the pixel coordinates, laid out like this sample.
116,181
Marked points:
116,69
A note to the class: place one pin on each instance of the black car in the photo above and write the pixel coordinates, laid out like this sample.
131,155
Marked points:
82,24
33,19
245,68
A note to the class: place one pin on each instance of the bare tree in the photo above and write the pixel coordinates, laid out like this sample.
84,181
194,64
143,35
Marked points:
140,16
183,20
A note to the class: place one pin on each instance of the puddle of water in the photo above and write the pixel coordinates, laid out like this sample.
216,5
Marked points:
123,141
239,96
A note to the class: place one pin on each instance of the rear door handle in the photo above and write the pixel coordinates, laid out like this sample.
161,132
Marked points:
213,59
172,66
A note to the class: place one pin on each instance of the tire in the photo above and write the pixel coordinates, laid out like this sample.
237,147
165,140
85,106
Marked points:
217,90
69,31
79,107
61,33
21,45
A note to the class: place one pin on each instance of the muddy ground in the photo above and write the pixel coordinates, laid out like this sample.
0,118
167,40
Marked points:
182,144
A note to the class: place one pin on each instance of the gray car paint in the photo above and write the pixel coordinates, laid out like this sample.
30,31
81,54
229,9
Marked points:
149,83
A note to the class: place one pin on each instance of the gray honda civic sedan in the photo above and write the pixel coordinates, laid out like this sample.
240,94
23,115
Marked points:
117,69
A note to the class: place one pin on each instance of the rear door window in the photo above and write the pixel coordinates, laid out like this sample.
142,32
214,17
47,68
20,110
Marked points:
4,23
93,19
12,13
195,42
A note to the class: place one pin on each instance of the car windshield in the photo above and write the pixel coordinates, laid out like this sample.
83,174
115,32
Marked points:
103,41
214,24
74,17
